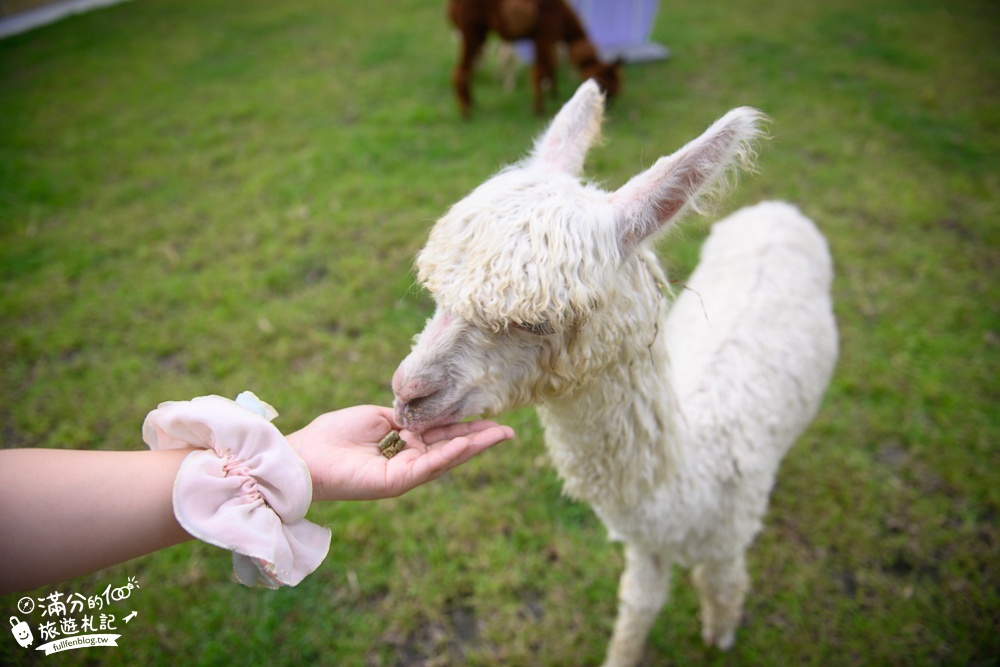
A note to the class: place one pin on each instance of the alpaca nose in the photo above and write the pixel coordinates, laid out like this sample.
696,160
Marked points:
410,393
407,389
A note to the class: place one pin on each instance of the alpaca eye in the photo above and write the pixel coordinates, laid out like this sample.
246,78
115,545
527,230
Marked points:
536,328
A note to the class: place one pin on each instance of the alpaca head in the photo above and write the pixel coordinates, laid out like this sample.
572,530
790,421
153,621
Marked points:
608,77
533,273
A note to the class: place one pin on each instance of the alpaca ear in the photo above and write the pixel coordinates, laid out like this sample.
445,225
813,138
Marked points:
563,147
657,196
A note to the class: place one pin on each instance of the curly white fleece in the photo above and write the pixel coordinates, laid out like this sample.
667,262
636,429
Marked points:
669,419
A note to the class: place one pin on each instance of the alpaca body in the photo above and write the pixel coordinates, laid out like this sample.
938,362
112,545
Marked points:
669,420
547,23
676,445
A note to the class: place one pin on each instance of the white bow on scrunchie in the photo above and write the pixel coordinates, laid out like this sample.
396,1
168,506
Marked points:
247,490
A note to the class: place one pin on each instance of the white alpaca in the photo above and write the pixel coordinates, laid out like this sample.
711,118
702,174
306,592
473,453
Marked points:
670,421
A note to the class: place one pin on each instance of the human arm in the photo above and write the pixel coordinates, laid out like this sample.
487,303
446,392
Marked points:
64,513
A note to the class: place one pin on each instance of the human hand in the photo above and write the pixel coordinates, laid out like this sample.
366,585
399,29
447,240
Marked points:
341,450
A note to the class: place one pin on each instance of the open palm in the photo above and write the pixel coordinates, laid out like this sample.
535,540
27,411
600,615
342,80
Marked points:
341,450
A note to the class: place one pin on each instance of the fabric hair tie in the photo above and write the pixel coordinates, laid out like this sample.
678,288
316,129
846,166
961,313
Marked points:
245,490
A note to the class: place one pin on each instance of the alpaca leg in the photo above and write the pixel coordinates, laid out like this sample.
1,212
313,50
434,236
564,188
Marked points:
472,45
722,587
642,593
507,66
544,72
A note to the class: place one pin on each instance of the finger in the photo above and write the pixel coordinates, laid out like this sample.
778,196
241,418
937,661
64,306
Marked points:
457,451
435,462
383,422
494,434
386,414
411,468
481,441
456,430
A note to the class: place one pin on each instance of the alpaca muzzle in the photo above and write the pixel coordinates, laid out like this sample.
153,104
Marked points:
421,403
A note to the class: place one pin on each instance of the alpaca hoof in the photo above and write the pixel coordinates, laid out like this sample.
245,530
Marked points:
721,640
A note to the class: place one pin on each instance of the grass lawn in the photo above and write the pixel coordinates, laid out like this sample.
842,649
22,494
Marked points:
205,197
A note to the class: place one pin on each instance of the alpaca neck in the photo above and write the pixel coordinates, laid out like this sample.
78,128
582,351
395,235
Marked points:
612,439
579,48
583,55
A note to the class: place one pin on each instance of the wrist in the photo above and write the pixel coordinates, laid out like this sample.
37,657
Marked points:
299,442
245,488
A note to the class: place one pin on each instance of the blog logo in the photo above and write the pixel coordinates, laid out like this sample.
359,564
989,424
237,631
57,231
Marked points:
70,620
21,632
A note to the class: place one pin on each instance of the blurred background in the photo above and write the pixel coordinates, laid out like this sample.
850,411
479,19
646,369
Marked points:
207,197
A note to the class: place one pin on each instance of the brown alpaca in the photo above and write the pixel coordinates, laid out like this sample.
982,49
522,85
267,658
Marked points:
546,23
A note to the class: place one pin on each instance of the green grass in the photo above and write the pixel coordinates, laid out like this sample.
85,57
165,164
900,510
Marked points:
206,197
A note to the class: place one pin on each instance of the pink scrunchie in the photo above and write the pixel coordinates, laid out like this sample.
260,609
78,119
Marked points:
246,491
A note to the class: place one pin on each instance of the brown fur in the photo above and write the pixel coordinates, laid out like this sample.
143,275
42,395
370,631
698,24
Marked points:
547,23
